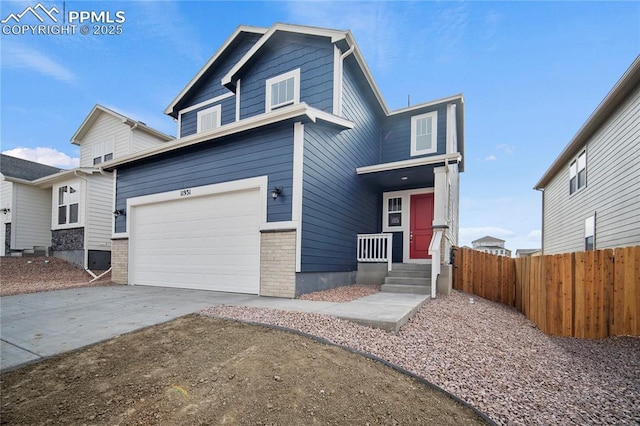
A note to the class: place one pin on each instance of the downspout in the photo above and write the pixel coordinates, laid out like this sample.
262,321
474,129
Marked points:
86,251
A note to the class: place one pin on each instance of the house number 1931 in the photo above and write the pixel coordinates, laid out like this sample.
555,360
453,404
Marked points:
185,192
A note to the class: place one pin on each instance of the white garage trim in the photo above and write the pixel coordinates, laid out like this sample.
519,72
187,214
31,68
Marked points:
150,219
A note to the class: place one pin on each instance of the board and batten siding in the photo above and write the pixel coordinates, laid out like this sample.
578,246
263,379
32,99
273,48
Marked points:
267,151
612,191
337,204
32,226
284,53
105,128
99,220
396,144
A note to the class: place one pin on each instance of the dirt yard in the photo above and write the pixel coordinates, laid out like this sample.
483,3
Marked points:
200,370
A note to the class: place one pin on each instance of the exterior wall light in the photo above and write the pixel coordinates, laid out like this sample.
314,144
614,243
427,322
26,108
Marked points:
5,210
275,192
118,212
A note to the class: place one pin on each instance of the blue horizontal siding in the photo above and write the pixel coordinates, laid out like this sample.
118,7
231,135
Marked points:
189,120
285,52
265,152
396,142
336,204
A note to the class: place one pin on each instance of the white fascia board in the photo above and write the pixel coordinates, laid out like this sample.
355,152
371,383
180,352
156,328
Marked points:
282,114
333,34
47,181
367,73
415,162
225,45
448,99
316,114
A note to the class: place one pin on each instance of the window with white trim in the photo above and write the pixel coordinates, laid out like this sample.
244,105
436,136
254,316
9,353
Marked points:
282,90
394,212
209,118
68,204
590,233
103,152
424,133
578,173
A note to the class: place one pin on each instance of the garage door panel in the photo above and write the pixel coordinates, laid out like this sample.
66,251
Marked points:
209,242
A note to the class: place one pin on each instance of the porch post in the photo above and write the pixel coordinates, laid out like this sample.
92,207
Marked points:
440,196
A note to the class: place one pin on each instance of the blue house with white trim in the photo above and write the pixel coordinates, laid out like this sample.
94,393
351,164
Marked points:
289,175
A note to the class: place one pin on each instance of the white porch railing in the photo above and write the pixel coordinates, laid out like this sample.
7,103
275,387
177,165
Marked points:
434,251
375,248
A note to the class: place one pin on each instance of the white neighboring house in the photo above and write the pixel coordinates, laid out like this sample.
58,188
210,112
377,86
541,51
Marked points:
25,209
491,245
81,199
591,192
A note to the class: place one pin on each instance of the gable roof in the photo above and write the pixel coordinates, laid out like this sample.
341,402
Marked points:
627,83
99,110
267,34
26,170
241,29
487,239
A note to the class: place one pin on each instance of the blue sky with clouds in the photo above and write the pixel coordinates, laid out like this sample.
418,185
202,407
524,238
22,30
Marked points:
531,74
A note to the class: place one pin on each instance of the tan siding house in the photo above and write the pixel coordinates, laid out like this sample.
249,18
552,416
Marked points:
591,193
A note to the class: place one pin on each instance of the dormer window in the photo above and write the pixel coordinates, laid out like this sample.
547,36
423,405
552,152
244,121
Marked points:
209,119
283,90
424,133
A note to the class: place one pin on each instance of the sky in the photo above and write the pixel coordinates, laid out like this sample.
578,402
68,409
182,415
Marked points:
531,74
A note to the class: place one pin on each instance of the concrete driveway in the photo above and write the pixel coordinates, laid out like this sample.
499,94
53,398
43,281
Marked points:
40,325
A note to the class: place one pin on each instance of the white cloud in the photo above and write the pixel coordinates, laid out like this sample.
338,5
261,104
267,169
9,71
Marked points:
23,57
535,236
507,149
491,158
48,156
467,235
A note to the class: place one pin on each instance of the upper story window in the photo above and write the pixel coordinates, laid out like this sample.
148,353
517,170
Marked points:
68,204
209,118
590,233
283,90
424,133
103,152
578,173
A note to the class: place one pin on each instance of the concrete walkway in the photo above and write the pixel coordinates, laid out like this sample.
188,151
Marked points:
40,325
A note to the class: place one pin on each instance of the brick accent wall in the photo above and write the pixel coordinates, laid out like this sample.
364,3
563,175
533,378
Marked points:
278,264
120,261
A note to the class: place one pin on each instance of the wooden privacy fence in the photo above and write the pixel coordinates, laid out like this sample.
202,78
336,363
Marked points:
590,295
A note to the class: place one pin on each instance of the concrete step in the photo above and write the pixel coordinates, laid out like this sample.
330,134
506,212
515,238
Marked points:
408,274
406,288
408,280
411,267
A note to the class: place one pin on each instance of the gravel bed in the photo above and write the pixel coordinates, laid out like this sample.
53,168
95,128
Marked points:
342,294
20,275
492,357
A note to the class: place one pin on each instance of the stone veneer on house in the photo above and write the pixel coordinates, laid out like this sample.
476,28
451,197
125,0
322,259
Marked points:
278,264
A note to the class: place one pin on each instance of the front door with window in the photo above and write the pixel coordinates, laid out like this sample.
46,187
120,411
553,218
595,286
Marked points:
421,222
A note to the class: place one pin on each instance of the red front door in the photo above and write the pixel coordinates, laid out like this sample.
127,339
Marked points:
421,222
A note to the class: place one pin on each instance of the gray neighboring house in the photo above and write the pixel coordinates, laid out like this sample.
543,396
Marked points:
591,192
25,210
491,245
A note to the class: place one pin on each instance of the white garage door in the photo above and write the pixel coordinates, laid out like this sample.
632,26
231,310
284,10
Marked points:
209,242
